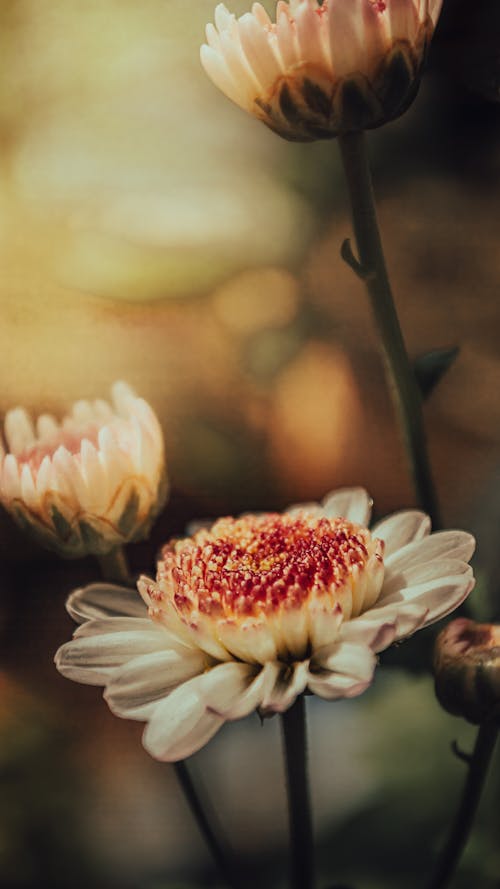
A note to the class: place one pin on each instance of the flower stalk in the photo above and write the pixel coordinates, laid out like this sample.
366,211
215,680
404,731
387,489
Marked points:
114,567
477,770
205,825
293,723
371,268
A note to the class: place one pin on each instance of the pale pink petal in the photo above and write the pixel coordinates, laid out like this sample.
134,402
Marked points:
403,20
258,51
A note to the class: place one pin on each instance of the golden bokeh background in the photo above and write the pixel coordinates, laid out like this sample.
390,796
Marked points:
151,231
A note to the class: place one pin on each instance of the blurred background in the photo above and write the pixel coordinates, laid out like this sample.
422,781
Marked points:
151,231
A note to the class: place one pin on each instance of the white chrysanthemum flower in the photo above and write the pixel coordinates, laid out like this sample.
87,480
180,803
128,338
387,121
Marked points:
322,69
251,612
89,483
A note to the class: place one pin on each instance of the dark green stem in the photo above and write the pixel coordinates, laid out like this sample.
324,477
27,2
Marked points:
114,568
293,722
205,823
372,269
459,834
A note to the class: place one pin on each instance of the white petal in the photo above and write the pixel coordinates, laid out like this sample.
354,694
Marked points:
10,478
218,71
136,688
345,670
190,716
66,466
18,429
28,490
95,478
223,18
228,689
439,597
82,412
353,504
324,623
420,573
258,51
105,600
287,39
114,626
258,691
379,627
47,427
401,528
251,641
290,682
44,478
180,726
444,544
348,658
308,25
92,659
124,397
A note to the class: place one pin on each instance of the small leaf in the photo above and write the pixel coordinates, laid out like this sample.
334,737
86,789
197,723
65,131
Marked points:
432,366
348,256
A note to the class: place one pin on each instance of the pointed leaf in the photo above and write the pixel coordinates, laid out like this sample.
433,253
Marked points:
432,366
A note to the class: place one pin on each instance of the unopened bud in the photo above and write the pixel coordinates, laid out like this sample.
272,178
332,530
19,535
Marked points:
467,670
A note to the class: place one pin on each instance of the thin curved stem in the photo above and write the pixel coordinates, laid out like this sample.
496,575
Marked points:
478,768
293,723
205,823
115,568
371,268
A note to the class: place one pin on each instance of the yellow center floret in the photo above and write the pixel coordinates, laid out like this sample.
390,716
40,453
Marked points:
293,576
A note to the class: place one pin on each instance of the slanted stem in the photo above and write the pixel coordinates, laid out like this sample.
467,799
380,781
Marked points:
373,271
115,568
293,723
477,770
205,824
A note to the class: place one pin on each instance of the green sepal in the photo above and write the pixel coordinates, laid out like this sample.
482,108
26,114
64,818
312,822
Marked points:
93,542
128,518
62,526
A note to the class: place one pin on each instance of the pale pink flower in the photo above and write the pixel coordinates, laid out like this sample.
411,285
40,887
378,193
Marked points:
252,612
89,483
320,70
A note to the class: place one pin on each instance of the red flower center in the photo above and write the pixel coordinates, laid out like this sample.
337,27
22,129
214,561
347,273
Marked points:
258,564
